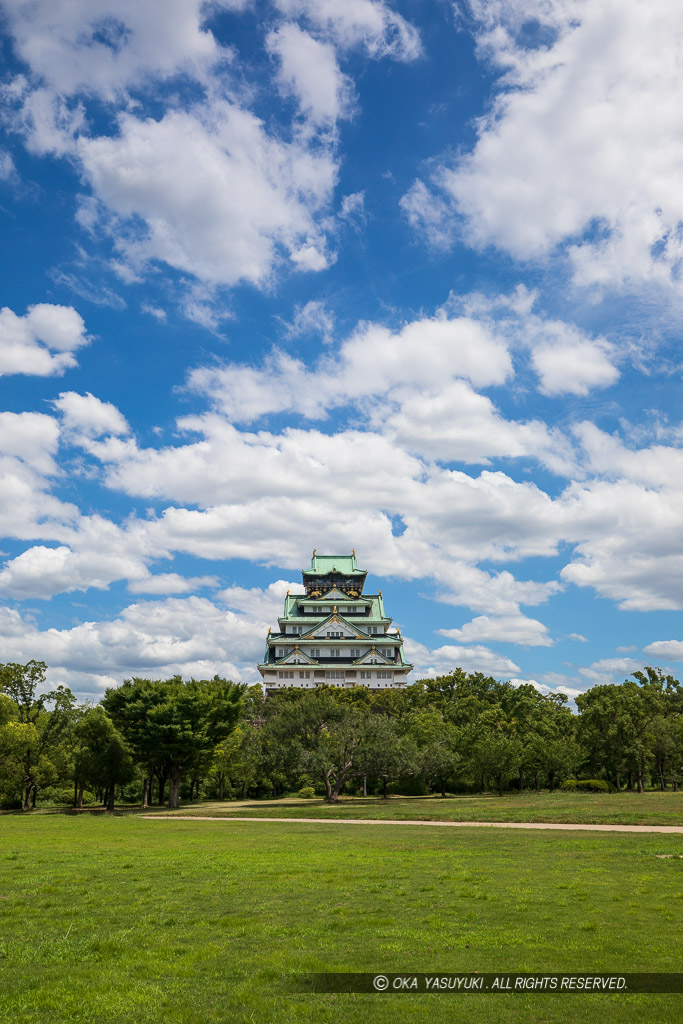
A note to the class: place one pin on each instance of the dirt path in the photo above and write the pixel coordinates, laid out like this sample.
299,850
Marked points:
669,829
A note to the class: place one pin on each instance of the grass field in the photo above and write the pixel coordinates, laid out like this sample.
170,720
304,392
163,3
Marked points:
118,919
578,808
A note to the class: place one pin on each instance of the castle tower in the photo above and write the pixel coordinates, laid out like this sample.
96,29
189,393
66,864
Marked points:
334,633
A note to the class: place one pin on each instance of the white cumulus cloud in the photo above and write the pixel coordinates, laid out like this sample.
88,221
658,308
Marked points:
42,342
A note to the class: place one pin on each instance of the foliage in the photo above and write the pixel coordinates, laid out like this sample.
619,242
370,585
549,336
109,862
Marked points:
459,733
34,733
173,726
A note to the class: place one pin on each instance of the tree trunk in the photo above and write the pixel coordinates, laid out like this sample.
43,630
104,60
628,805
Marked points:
110,801
536,781
162,786
75,794
145,792
221,779
173,791
244,790
551,780
328,788
499,780
384,787
483,787
34,794
660,770
79,798
443,787
365,785
27,797
639,780
630,779
618,780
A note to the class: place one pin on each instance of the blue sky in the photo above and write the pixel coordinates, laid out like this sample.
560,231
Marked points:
397,276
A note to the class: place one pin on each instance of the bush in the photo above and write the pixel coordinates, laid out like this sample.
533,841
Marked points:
307,793
595,786
589,786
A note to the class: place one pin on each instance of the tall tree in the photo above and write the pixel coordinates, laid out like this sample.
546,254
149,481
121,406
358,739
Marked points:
43,726
170,725
102,760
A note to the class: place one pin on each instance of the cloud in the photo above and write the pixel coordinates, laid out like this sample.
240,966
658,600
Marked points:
265,605
442,660
42,342
458,424
107,46
97,554
369,363
310,72
208,190
429,215
576,151
190,636
7,169
86,416
217,196
610,670
32,437
370,24
568,363
171,583
665,650
312,318
516,629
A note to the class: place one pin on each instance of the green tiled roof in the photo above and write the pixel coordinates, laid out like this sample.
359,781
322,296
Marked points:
322,565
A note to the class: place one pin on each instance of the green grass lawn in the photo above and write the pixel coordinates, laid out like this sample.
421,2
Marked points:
580,808
122,919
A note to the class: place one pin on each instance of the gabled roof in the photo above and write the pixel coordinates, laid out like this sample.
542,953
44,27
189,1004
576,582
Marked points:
335,617
333,595
294,656
375,657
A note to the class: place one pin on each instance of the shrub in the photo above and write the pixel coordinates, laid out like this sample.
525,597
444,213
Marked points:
307,793
595,786
589,786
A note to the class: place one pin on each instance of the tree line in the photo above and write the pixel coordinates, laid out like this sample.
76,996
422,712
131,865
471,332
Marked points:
166,740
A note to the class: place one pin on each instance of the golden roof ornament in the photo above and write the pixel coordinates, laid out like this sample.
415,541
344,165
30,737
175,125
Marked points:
314,551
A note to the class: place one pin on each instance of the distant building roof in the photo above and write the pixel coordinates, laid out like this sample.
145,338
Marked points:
323,565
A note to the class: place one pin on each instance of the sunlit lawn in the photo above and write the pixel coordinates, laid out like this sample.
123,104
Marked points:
122,919
651,808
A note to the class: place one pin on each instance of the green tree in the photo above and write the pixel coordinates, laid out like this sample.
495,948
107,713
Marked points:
320,735
385,753
43,757
437,745
102,760
171,725
616,721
